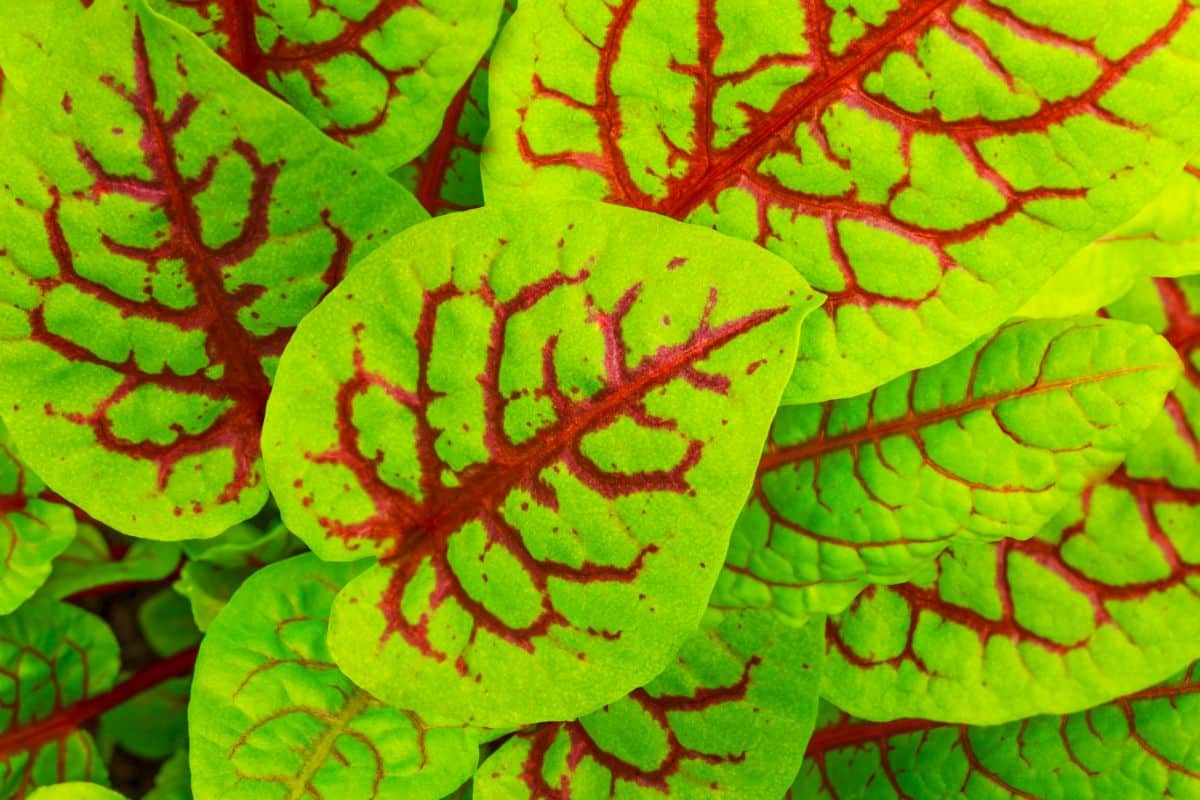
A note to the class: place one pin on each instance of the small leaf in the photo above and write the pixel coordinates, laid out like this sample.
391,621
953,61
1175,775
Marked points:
174,781
928,165
727,719
445,178
89,563
541,419
151,725
988,444
76,791
1161,241
166,622
271,715
54,656
33,529
1141,747
375,75
1105,600
154,266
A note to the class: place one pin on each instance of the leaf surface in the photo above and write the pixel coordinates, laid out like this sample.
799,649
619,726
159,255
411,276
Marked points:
376,75
154,266
926,163
33,529
989,444
272,716
151,725
173,781
1140,747
1104,601
76,791
90,563
54,656
543,431
727,719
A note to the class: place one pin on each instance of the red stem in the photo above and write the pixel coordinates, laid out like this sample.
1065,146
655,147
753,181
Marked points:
69,718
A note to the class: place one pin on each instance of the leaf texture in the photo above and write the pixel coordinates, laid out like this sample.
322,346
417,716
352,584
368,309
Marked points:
989,444
1102,602
727,719
152,268
89,562
1140,747
540,418
271,715
378,76
926,163
76,791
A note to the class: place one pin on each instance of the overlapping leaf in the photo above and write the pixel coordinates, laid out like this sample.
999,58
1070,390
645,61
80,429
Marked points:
52,656
152,268
542,419
90,563
1140,747
1102,602
927,163
33,529
173,781
727,719
1162,241
988,444
76,791
445,178
375,75
272,716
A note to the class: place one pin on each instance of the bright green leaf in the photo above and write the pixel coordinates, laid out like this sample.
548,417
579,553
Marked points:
76,791
166,622
542,419
928,165
728,719
152,267
89,562
988,444
272,717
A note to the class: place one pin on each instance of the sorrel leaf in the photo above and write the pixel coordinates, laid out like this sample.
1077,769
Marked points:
53,656
89,563
271,715
375,75
728,718
173,781
33,529
1104,601
446,178
152,725
165,620
927,164
988,444
153,267
541,419
1162,241
76,791
1140,747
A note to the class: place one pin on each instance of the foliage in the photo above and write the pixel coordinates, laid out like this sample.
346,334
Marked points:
811,411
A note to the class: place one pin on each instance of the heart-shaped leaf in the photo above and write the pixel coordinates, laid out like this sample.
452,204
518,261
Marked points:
272,716
727,719
153,267
542,419
55,656
1145,746
926,163
988,444
375,75
1102,602
33,529
446,178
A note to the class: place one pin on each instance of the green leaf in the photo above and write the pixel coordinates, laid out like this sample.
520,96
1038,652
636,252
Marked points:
89,562
174,781
1141,747
988,444
76,791
33,529
375,75
541,419
151,725
53,656
728,718
928,165
166,622
1161,241
445,178
1105,600
154,266
271,715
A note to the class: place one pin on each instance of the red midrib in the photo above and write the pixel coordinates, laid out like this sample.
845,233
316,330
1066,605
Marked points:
433,176
751,145
822,446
